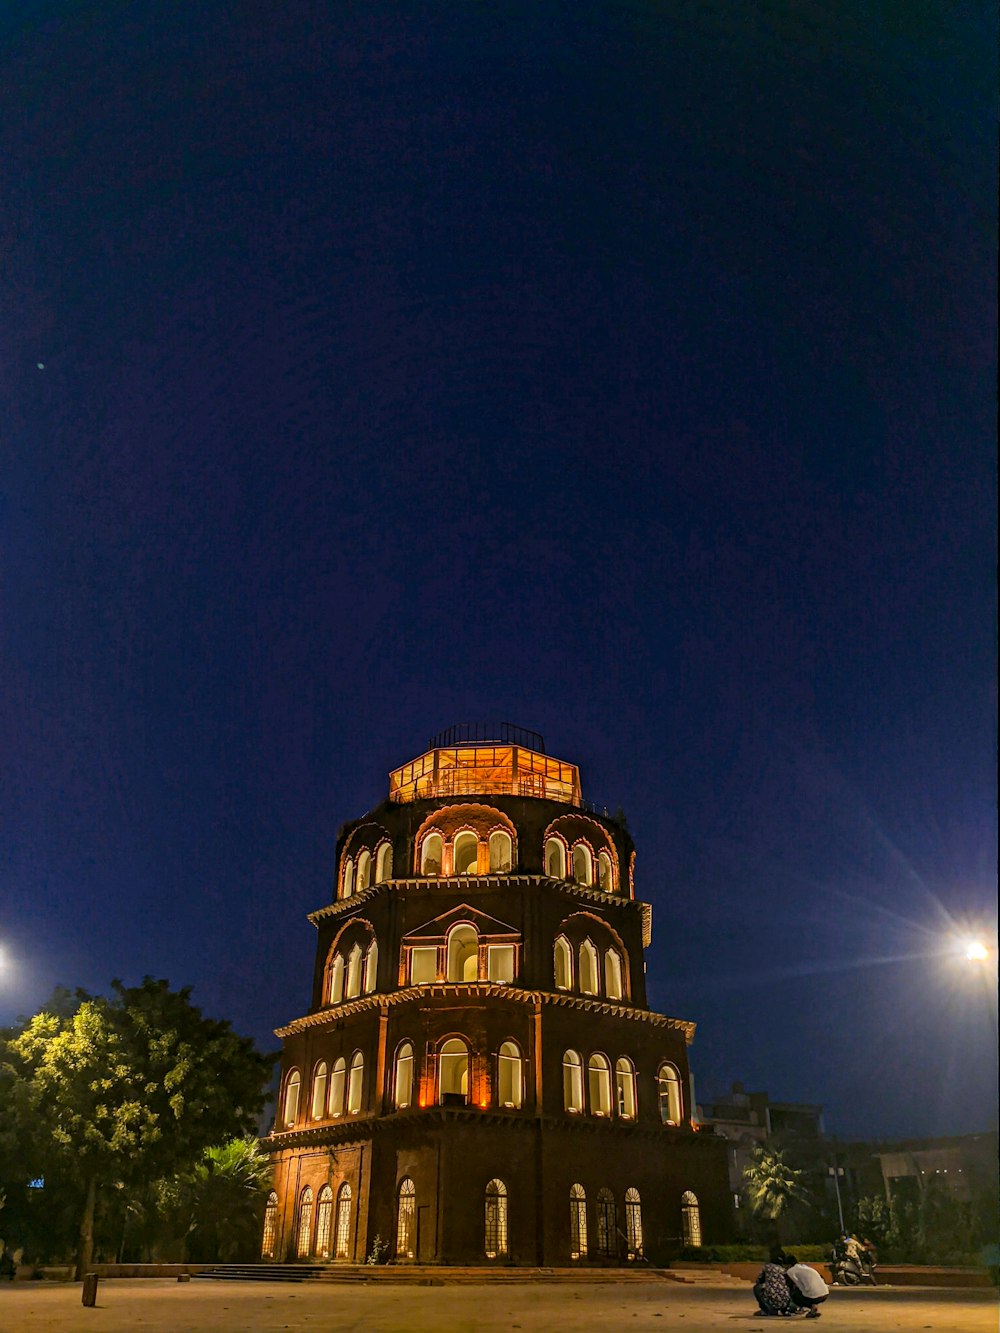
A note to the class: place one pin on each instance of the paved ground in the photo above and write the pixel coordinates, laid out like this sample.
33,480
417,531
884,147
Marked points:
160,1305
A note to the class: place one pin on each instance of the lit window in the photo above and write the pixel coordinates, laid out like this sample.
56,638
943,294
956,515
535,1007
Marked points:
599,1085
342,1231
501,852
371,967
690,1219
348,877
510,1076
496,1219
613,975
588,968
338,1084
406,1220
555,858
319,1091
269,1241
625,1088
423,965
500,962
583,864
324,1216
453,1071
364,871
572,1082
669,1087
633,1223
354,972
607,1224
466,853
430,854
383,863
403,1079
304,1238
292,1088
463,954
337,979
577,1222
563,956
605,874
354,1083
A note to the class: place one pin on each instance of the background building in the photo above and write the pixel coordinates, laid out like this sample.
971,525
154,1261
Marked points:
478,1077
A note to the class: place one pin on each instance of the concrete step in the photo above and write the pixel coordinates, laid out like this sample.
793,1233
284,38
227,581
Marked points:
430,1275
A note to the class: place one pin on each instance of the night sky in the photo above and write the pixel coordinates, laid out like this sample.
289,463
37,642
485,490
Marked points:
624,371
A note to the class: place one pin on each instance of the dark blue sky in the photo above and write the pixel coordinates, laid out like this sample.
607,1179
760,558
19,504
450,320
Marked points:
623,370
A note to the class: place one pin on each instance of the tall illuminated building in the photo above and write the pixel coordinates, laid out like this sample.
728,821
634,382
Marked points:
478,1077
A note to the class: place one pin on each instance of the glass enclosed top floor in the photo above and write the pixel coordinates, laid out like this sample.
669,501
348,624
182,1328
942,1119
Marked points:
485,769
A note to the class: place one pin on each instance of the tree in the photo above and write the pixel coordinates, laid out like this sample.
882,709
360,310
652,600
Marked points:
132,1088
771,1184
220,1201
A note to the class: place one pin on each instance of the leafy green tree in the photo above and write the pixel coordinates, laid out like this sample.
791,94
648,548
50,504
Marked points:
771,1184
132,1088
222,1199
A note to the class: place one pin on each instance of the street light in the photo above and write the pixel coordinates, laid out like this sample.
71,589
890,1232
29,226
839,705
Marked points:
837,1172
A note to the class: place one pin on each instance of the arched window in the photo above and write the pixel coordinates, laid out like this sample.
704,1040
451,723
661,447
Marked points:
383,862
466,852
613,987
605,874
501,852
496,1219
577,1222
463,954
406,1220
304,1236
625,1088
563,956
348,877
337,979
324,1216
371,967
342,1232
690,1219
364,870
607,1223
633,1223
430,854
319,1091
510,1076
572,1082
583,864
354,972
555,858
599,1085
668,1084
588,968
269,1241
453,1072
402,1081
355,1083
337,1085
292,1088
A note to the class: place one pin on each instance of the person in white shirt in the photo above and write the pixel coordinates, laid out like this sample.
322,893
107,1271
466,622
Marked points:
807,1287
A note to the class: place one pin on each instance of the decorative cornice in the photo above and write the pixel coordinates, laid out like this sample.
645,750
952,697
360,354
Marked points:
478,883
480,990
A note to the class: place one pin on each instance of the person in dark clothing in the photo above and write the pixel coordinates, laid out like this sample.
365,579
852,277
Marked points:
772,1289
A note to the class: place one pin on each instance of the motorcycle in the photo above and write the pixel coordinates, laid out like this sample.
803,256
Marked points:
846,1271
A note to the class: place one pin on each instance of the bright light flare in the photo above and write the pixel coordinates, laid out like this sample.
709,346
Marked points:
975,951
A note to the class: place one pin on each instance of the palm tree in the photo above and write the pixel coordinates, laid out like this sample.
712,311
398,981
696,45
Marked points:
771,1184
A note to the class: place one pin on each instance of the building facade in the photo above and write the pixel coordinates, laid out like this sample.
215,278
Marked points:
478,1077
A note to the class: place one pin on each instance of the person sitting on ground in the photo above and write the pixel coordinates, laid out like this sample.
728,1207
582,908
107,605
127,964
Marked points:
807,1288
772,1288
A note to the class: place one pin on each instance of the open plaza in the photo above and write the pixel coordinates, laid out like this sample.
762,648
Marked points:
160,1305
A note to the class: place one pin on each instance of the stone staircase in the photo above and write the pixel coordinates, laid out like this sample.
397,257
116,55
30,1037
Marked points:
439,1276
